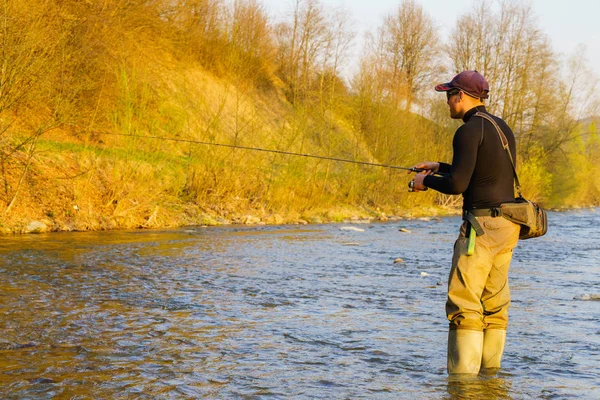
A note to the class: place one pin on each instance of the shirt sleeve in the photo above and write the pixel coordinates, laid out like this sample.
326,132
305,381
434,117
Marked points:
465,145
444,168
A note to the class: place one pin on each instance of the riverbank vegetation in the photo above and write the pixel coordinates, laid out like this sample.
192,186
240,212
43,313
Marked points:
103,103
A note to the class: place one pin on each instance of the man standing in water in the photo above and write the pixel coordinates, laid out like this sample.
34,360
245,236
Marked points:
478,292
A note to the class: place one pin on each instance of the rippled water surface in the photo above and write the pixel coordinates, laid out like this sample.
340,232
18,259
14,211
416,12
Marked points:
285,312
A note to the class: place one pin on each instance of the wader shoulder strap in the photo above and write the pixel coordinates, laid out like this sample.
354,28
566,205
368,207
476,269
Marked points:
505,146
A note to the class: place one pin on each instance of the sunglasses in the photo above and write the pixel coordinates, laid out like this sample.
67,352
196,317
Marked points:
451,93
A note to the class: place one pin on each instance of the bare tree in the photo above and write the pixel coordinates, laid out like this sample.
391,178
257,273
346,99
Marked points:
472,43
338,40
576,100
202,23
300,44
514,56
411,42
250,30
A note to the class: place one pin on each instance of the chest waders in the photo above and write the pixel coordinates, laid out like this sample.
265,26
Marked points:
469,350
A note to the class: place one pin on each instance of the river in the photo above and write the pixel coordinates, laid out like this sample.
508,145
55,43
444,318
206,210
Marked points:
278,312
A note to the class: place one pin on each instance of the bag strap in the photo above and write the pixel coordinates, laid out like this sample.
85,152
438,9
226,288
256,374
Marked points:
505,146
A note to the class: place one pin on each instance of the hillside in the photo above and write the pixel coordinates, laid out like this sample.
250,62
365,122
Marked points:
82,179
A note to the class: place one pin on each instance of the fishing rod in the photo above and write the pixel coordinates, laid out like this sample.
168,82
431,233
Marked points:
289,153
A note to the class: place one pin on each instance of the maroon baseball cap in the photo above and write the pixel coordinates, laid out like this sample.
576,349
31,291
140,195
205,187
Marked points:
470,82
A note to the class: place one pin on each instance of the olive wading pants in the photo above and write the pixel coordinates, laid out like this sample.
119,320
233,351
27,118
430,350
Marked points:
478,293
479,297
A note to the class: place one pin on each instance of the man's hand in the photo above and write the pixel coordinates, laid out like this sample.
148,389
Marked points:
428,166
418,181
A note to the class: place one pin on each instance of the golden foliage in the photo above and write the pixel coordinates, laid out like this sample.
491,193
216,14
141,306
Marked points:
91,92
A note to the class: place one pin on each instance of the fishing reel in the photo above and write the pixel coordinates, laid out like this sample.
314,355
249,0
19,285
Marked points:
411,186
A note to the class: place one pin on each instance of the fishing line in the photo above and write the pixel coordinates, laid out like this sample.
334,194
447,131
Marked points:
289,153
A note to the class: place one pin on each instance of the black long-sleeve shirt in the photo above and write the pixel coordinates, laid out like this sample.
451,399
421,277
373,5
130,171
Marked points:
480,168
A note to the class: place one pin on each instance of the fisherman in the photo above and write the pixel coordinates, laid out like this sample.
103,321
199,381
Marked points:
478,292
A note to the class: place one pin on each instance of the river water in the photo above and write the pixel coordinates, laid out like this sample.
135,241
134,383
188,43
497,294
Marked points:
286,312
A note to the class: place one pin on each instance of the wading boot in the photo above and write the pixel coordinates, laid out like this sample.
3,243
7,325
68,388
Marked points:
464,351
493,347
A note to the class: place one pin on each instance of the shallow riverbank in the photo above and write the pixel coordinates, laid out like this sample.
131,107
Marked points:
193,217
79,221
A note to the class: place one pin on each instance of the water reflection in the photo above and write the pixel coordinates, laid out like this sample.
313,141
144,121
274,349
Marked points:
491,387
